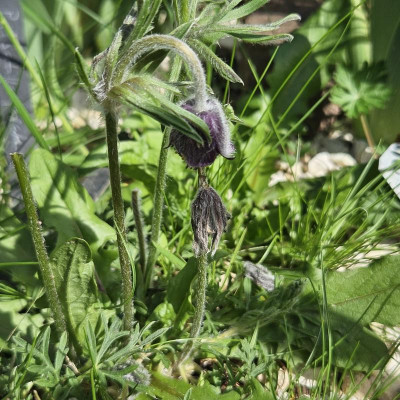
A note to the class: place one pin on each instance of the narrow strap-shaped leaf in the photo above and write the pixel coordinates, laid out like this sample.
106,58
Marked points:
104,323
127,350
193,8
228,8
153,336
146,328
24,347
248,37
135,335
61,352
192,118
243,11
44,346
145,18
109,339
220,66
91,342
147,79
112,56
250,28
177,10
266,39
163,115
209,14
182,30
107,343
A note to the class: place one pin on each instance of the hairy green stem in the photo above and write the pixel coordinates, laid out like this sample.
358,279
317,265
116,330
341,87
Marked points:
199,305
157,208
200,300
119,216
136,207
158,202
39,244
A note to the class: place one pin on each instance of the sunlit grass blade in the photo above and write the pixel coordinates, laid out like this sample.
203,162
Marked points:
24,114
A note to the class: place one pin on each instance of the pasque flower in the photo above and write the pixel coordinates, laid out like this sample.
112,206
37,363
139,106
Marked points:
209,217
196,155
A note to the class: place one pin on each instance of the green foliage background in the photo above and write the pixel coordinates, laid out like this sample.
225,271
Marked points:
305,232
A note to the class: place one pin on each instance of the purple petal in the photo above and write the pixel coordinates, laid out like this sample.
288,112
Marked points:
195,155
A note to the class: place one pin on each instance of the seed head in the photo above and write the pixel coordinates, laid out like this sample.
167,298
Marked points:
209,217
195,155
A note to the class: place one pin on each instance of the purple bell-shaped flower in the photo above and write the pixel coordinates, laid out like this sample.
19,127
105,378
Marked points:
196,155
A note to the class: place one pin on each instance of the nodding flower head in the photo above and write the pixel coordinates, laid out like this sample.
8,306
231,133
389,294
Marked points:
196,155
209,217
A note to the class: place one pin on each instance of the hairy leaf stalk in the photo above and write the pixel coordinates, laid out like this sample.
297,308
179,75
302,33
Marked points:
119,216
39,243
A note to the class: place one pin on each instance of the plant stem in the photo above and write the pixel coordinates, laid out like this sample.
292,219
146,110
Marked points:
157,208
39,243
159,191
119,216
368,134
200,301
139,227
199,306
202,176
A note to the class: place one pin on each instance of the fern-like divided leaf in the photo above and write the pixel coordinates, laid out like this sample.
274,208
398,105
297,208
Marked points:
38,361
114,359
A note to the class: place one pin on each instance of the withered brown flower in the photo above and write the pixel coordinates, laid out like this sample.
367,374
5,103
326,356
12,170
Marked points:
209,217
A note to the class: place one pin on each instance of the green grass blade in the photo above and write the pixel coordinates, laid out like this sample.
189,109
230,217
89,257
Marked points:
24,114
50,104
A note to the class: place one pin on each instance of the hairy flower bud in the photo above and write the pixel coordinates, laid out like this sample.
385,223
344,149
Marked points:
195,155
209,217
